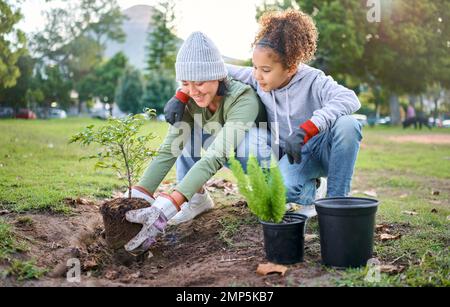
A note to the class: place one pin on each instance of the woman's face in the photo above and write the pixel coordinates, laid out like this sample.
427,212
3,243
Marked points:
268,71
203,92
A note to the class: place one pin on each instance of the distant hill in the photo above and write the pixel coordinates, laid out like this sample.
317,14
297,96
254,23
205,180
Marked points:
136,28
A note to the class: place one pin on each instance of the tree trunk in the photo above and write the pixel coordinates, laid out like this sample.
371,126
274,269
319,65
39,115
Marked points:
436,111
377,108
421,103
394,106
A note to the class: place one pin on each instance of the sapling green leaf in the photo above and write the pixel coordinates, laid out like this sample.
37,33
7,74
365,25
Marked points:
121,147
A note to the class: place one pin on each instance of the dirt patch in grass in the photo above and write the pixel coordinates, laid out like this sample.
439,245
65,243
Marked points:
441,139
191,254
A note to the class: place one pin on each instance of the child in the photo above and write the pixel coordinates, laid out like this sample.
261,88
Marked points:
308,112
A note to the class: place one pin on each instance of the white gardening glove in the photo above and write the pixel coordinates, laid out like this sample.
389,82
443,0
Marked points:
154,221
138,192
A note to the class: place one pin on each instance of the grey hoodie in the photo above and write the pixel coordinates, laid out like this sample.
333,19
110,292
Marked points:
310,95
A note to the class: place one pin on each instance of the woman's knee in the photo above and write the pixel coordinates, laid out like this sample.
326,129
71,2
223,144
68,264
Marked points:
349,127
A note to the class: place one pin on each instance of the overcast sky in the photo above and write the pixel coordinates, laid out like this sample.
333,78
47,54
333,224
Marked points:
231,24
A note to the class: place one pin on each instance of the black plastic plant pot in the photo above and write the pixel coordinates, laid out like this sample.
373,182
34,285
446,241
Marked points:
284,242
346,230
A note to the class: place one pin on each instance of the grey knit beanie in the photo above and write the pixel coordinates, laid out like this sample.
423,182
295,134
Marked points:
199,60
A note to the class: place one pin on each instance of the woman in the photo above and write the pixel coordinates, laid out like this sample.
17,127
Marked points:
308,111
219,115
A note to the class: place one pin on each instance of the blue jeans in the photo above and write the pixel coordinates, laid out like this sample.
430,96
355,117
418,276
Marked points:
255,143
331,154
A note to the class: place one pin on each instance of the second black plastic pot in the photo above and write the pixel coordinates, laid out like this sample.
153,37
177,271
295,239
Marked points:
347,227
284,242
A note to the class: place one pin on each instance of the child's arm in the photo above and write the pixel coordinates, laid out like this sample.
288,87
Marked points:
243,74
336,100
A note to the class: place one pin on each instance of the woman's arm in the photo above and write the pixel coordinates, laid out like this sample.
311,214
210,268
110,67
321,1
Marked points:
239,119
336,99
243,74
168,153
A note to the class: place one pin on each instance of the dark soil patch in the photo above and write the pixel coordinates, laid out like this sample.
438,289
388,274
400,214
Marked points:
118,231
191,254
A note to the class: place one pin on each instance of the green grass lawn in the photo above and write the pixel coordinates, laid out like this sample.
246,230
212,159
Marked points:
39,170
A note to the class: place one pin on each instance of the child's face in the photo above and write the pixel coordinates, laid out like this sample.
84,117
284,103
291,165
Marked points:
268,70
203,92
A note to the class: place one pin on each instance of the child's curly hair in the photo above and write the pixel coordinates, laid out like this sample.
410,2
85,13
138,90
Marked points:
291,34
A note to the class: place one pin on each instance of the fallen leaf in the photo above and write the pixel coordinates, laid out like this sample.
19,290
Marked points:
111,275
388,237
90,264
219,183
4,212
118,194
292,207
83,201
210,189
130,277
371,193
230,190
270,268
241,203
382,228
309,238
410,213
434,210
56,245
391,269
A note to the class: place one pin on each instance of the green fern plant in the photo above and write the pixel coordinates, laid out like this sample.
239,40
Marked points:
264,190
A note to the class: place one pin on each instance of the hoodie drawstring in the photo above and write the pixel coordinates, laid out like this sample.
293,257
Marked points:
276,128
288,112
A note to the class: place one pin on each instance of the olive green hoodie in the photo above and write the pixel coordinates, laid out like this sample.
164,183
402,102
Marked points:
236,114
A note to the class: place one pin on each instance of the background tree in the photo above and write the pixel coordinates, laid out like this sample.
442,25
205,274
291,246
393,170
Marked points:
129,92
102,82
122,147
12,44
54,86
102,20
17,96
74,39
158,90
162,47
162,42
401,54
